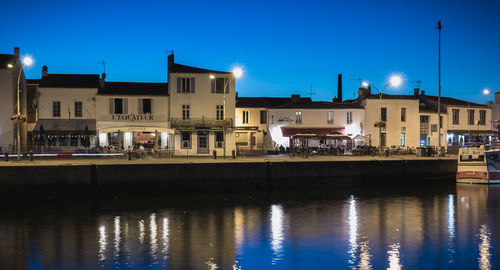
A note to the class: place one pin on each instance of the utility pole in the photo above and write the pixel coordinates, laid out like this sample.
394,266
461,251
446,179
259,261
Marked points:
439,90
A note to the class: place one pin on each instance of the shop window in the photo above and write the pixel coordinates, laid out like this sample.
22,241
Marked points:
186,140
78,109
219,139
63,141
73,141
56,108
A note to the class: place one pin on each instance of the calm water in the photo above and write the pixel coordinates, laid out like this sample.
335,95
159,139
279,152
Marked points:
447,227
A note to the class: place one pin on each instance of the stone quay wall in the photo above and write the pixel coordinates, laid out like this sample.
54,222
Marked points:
237,176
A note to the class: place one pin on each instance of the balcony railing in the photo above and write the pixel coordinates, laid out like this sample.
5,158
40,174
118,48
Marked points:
201,123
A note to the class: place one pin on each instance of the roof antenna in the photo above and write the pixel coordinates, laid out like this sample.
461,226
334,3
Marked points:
311,93
358,79
103,65
418,82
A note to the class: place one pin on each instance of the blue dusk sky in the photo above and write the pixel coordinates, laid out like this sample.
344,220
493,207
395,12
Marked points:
283,46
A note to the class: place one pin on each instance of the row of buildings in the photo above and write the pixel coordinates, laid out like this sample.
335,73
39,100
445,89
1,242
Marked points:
198,111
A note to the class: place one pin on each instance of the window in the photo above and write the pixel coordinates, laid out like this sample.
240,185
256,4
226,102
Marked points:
146,106
482,117
383,114
349,118
424,124
219,139
263,116
403,136
118,106
403,115
383,139
220,112
245,117
185,112
56,108
456,113
186,140
470,114
329,117
78,109
440,121
73,141
298,117
185,85
220,84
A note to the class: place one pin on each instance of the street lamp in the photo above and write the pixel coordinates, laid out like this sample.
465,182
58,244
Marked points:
394,81
237,73
18,117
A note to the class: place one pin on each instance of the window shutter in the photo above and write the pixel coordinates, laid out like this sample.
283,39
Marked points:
125,106
192,85
152,108
226,82
178,84
213,85
140,106
111,106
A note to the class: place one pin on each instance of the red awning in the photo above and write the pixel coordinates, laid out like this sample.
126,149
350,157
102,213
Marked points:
288,132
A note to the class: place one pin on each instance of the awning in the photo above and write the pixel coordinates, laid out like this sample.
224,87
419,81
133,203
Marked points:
290,131
304,135
66,126
337,136
480,132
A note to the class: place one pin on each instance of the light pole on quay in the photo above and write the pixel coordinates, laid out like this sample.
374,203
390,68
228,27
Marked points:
237,73
394,81
18,117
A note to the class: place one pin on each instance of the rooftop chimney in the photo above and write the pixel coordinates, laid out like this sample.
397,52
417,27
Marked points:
101,81
295,98
423,93
416,91
339,88
45,71
16,51
170,60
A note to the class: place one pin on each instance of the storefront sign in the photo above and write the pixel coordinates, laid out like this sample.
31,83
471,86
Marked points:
132,117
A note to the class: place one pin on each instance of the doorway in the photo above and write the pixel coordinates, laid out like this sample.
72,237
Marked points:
203,142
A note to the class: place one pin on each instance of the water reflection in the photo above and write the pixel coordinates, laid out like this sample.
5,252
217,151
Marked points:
394,257
277,233
451,228
484,248
371,230
102,243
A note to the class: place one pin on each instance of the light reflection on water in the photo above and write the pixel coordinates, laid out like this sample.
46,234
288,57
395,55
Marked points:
371,230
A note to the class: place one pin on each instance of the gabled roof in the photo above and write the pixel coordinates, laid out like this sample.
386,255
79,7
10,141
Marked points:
133,88
6,59
263,102
178,68
320,105
70,80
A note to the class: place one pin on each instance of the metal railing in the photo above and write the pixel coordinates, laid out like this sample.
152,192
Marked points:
201,123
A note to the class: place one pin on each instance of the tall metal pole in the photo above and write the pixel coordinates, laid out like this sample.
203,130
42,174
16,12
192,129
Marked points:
18,119
439,91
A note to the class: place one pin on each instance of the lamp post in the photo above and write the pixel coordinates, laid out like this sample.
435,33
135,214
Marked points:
237,73
394,81
439,91
18,117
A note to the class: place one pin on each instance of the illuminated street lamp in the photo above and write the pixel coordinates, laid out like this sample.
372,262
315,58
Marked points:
18,117
394,81
237,73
